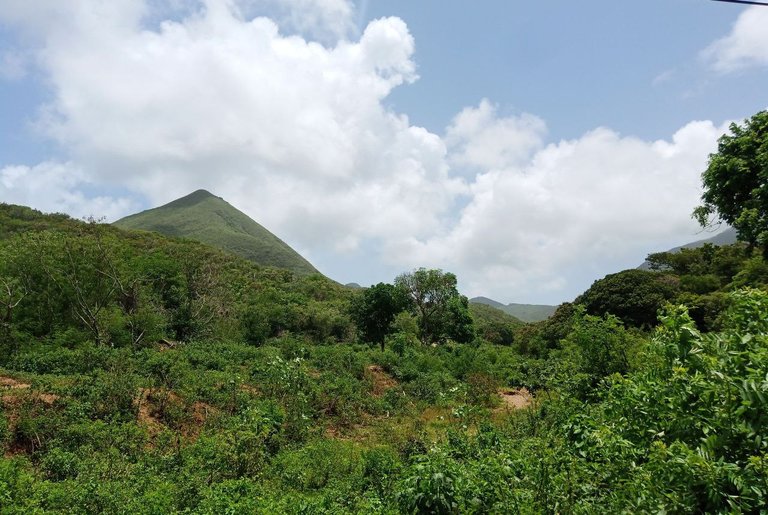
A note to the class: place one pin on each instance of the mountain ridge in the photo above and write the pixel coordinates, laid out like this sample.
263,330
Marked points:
524,312
210,219
726,237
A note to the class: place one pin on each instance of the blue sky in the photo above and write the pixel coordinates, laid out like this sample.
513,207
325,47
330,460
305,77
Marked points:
529,147
631,66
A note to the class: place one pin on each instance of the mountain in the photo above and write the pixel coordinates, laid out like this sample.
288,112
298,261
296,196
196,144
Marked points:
727,237
209,219
524,312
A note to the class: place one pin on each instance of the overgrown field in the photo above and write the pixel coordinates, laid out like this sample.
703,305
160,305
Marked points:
141,374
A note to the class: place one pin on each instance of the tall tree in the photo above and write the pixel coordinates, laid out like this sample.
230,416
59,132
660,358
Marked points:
374,310
442,312
736,182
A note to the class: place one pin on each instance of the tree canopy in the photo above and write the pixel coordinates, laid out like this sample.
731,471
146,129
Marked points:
736,182
635,296
374,310
442,312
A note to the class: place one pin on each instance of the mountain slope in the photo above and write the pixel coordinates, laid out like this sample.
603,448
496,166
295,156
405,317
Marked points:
209,219
523,312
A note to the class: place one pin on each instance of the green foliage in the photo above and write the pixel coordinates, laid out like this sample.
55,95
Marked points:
694,422
481,389
317,464
430,486
380,468
595,348
736,182
374,310
707,273
16,485
441,311
135,290
635,296
540,338
210,385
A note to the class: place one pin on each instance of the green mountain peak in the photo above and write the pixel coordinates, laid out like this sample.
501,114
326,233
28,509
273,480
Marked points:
204,217
193,198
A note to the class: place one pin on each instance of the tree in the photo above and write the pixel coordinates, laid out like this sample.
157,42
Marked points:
635,296
736,182
601,344
12,292
375,309
441,311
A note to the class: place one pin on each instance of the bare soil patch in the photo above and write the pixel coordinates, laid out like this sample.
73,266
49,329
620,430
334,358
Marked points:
514,399
9,382
145,415
380,379
151,402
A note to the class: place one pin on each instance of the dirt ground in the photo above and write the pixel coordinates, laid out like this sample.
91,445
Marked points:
381,380
514,399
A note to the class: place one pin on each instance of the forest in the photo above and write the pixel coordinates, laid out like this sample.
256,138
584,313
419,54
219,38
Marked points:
147,374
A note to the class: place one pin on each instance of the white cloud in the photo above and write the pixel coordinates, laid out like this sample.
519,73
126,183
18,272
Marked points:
295,133
58,187
663,78
480,139
572,211
746,46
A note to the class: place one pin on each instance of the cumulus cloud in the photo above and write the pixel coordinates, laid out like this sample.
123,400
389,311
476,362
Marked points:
746,46
480,139
573,209
296,134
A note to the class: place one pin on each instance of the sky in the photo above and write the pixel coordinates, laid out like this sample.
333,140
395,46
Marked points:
528,147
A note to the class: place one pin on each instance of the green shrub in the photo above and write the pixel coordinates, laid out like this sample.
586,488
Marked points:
380,468
431,485
318,464
482,390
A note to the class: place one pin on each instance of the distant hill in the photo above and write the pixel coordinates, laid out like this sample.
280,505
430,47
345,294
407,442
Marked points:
727,237
494,325
488,314
209,219
524,312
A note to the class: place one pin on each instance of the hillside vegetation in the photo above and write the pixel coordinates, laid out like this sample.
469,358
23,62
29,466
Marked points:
209,219
142,374
147,374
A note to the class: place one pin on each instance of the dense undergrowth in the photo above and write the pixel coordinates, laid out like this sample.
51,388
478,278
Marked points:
145,375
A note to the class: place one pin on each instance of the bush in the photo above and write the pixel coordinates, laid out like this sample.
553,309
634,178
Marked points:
482,390
318,464
430,486
380,467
